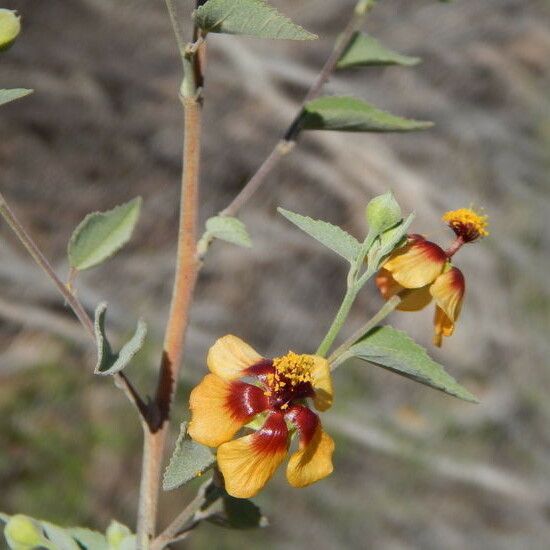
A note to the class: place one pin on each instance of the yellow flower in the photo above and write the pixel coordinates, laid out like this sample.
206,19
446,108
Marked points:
277,389
467,224
420,271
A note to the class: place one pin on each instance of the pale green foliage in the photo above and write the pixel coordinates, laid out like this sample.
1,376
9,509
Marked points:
10,27
383,212
248,17
119,537
331,236
365,51
349,114
394,350
100,234
24,533
60,539
388,241
189,460
11,95
90,540
109,362
229,229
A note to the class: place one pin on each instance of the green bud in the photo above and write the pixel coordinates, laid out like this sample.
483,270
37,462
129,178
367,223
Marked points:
24,533
10,27
383,212
116,534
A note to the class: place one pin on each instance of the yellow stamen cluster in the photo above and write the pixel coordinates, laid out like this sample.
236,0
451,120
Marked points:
467,222
291,369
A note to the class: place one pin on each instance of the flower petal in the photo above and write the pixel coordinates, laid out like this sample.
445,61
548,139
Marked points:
313,460
322,383
417,264
448,292
443,326
411,299
230,356
219,408
248,463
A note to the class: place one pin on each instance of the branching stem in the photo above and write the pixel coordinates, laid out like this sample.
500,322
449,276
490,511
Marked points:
384,311
72,301
287,143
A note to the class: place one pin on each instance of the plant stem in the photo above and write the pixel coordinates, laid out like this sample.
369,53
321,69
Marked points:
338,322
187,266
287,143
173,530
74,303
384,311
27,241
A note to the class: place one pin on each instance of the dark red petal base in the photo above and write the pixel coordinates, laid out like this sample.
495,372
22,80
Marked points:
245,400
272,438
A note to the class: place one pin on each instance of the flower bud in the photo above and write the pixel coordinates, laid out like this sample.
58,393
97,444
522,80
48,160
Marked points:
10,27
24,532
383,212
117,535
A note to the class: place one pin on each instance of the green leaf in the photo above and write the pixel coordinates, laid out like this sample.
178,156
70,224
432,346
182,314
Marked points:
11,95
394,350
229,229
10,27
100,234
89,540
348,114
388,241
25,533
248,17
59,537
331,236
109,362
364,51
189,460
119,537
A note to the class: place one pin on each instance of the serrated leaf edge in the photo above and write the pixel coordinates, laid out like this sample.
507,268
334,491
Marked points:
468,395
353,242
307,35
179,441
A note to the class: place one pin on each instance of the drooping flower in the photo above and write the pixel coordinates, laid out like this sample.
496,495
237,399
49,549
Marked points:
421,271
243,386
467,224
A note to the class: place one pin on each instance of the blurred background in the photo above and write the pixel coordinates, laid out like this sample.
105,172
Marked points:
415,469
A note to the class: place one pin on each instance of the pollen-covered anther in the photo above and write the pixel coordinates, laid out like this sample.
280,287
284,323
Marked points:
467,224
292,369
